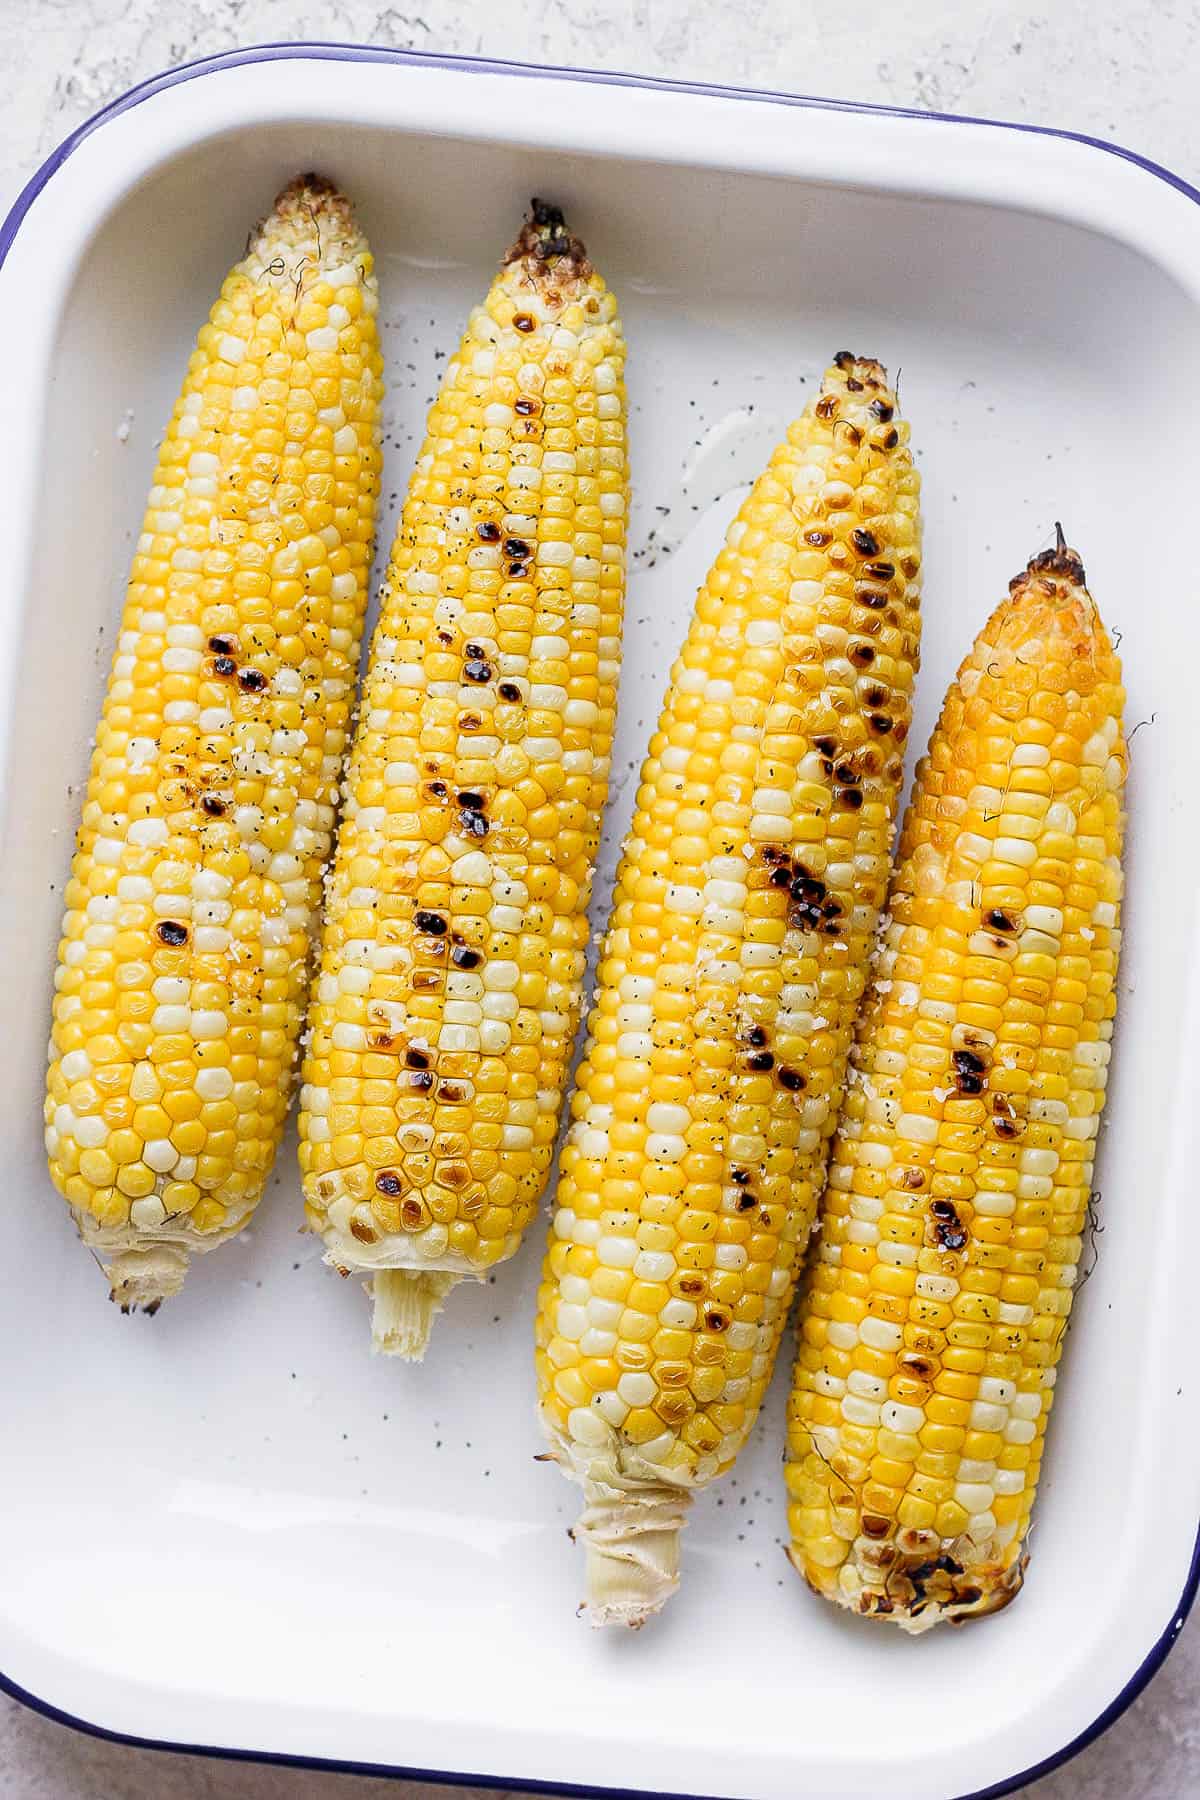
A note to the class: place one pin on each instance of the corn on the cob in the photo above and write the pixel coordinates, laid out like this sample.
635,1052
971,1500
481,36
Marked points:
455,932
210,803
745,907
935,1309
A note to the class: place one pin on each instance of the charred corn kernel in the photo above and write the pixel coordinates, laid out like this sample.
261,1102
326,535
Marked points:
966,1371
736,955
455,929
184,955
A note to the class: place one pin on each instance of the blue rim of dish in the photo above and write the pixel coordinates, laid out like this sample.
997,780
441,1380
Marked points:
476,65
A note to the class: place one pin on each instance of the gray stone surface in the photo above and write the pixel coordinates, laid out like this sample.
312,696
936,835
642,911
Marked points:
1098,66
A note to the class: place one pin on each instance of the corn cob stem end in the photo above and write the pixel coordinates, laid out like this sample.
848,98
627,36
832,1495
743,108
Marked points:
404,1304
631,1542
140,1280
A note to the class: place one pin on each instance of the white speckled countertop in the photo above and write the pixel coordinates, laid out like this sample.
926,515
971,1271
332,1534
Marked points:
1096,66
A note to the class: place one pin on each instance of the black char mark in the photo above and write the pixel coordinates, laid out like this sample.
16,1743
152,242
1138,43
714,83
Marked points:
947,1226
970,1072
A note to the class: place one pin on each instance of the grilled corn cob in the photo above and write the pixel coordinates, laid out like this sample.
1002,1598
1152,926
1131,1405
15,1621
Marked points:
745,906
935,1308
210,803
455,932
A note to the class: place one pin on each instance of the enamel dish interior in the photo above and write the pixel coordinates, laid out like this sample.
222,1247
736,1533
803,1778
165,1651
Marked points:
229,1526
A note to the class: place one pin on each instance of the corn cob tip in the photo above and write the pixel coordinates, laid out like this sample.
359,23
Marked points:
631,1542
309,183
311,227
861,368
140,1280
404,1304
309,190
1061,560
549,251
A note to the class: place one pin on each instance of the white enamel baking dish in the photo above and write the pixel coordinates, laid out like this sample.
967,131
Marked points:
229,1528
